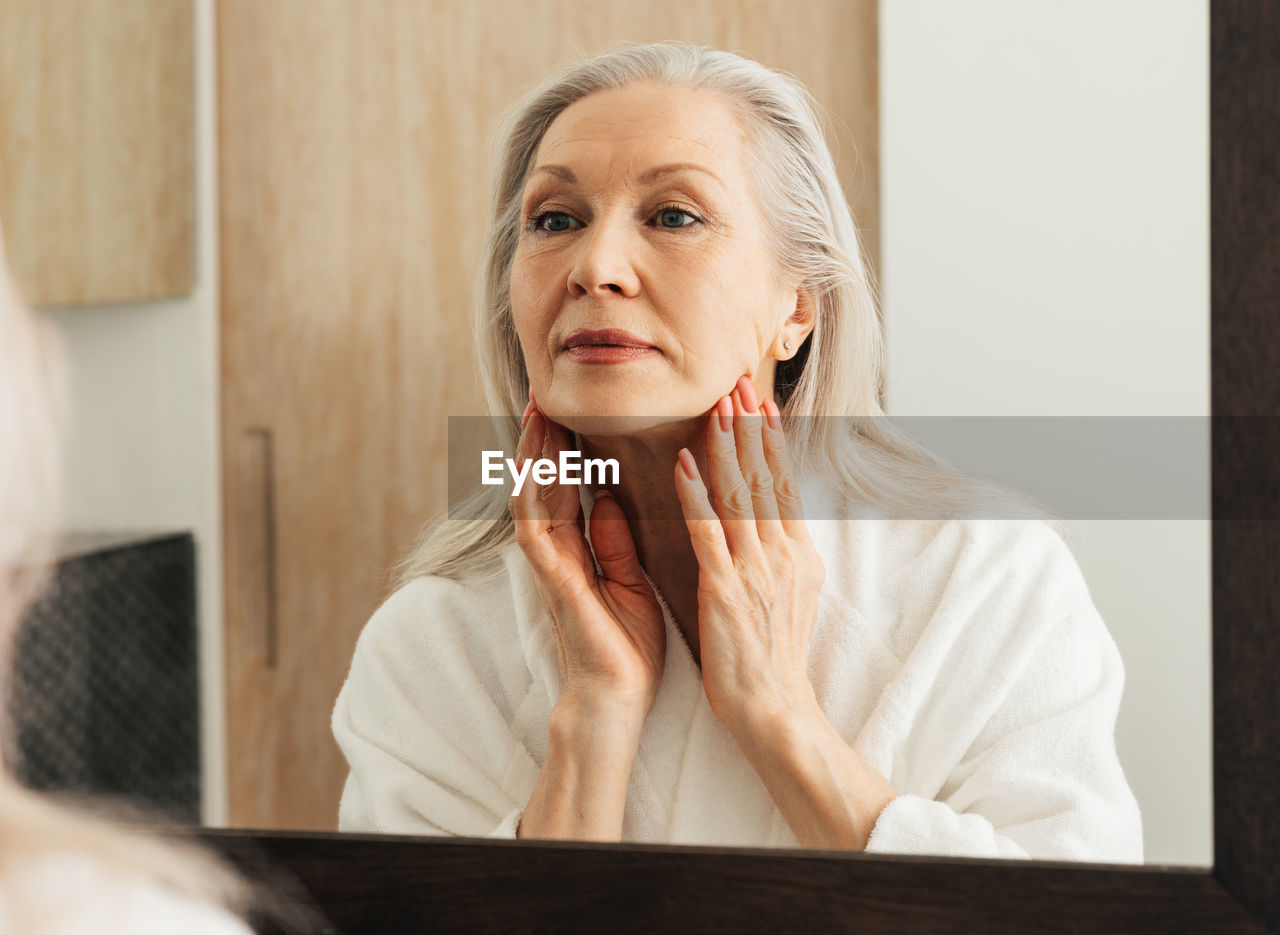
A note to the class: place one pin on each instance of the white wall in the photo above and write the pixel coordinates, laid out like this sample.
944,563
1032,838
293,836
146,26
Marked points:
1045,251
142,451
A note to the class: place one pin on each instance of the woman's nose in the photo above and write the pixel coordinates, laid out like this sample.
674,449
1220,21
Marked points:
603,264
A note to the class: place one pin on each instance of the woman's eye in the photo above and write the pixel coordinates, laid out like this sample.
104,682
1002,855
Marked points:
554,222
676,217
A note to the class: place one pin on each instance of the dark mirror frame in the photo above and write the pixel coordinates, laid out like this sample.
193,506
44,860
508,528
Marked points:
386,885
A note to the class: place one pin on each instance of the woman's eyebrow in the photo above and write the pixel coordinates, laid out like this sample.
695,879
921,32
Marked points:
660,172
564,173
648,177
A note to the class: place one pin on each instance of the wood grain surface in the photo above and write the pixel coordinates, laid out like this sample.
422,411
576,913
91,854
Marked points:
354,186
358,884
1245,441
96,143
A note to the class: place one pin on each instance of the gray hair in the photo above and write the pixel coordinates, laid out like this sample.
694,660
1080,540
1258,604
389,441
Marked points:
829,392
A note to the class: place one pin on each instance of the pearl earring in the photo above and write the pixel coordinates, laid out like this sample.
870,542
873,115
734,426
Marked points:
787,345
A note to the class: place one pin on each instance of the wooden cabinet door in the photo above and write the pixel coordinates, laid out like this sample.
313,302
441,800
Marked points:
353,193
96,140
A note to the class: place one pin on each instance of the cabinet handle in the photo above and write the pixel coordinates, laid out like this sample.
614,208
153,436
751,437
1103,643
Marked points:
259,515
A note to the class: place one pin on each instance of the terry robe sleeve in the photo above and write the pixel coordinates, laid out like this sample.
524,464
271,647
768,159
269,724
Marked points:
1006,709
424,716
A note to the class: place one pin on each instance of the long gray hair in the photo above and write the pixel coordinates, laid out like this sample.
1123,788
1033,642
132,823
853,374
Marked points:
829,392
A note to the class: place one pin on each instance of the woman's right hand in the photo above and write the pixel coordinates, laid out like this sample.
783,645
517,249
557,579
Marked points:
608,626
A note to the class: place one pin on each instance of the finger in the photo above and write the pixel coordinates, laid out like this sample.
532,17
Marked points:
542,539
785,488
613,544
706,532
747,430
560,582
564,501
729,496
532,520
530,442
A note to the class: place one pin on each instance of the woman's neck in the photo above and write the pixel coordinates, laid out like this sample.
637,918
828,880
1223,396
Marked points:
647,494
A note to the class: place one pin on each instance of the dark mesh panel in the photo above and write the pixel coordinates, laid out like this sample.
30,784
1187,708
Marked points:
105,685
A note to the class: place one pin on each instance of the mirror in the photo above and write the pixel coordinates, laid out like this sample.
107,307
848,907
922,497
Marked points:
1036,211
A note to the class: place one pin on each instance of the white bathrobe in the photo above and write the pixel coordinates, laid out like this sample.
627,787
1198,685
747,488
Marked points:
964,659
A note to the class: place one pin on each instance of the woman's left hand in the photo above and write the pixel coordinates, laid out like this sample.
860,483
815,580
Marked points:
759,571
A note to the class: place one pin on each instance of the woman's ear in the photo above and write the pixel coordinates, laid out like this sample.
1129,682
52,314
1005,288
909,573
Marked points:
798,326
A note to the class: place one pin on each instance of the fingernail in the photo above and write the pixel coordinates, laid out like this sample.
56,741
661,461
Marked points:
725,408
774,416
603,494
747,393
687,464
524,419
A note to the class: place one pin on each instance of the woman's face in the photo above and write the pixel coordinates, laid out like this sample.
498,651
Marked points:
643,285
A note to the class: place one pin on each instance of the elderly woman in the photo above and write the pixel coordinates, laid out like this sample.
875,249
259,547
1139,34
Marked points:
674,281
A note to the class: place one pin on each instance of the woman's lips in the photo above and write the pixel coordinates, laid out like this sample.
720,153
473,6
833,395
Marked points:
608,353
609,346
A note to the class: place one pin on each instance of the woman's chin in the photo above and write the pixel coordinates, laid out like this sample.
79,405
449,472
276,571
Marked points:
593,412
621,424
